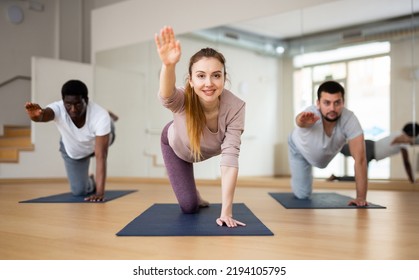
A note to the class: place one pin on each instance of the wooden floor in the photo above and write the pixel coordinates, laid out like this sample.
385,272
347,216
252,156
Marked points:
87,231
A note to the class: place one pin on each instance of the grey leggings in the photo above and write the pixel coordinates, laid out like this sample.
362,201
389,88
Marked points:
78,170
78,173
181,176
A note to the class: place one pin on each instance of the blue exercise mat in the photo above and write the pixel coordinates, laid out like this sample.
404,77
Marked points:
168,220
70,198
318,201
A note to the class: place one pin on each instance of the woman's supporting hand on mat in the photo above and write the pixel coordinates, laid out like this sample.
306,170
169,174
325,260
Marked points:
229,221
228,186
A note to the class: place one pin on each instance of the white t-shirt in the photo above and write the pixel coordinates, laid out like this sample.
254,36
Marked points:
80,142
383,147
318,148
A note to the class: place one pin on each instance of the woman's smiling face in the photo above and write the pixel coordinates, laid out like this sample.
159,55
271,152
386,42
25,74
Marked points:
207,79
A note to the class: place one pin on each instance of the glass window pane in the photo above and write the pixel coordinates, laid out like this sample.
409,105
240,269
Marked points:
302,89
335,71
369,98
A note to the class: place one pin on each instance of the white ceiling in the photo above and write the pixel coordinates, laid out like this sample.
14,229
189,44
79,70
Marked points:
327,16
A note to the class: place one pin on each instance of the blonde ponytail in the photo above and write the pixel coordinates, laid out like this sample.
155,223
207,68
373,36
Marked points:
195,121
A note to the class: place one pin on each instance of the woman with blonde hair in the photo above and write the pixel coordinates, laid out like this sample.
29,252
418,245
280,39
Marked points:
208,120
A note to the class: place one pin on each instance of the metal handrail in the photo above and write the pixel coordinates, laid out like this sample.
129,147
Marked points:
18,77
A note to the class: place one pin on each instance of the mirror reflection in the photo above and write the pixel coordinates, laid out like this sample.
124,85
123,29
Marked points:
276,64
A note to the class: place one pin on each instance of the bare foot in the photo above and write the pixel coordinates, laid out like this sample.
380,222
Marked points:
331,178
201,202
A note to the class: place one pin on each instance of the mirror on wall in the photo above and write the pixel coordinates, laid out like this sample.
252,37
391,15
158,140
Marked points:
373,54
276,63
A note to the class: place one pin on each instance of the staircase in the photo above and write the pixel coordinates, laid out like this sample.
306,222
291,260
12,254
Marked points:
14,140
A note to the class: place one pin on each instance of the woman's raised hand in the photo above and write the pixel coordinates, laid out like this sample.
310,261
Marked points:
168,47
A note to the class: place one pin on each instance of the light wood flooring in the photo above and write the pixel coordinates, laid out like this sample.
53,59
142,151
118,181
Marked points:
87,231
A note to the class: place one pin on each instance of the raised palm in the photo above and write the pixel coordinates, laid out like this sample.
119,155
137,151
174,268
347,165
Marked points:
33,109
168,47
309,118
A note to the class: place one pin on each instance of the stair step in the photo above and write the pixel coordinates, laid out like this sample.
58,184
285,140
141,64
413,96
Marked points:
9,155
16,131
20,143
15,139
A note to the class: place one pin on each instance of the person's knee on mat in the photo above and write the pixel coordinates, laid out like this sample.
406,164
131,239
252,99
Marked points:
302,195
190,209
79,192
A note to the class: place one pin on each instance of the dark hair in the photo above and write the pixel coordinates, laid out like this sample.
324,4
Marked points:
74,87
411,129
330,87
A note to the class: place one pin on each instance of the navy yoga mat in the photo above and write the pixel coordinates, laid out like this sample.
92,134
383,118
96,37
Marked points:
70,198
168,220
318,201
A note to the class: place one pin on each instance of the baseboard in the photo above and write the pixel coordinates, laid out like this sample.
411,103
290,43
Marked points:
274,182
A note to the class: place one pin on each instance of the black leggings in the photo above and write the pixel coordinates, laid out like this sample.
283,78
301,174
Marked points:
370,155
369,150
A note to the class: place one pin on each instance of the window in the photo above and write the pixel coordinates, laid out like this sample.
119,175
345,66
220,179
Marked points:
365,74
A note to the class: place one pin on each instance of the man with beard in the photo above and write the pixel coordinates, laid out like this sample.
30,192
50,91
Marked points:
320,134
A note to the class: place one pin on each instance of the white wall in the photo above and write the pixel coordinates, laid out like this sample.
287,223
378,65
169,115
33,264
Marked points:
34,36
134,21
55,31
19,42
